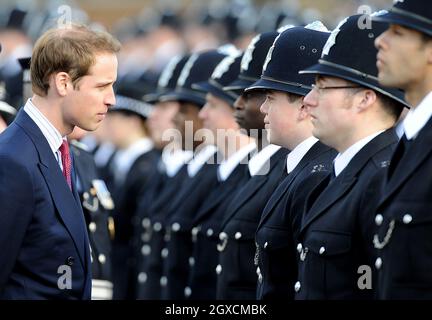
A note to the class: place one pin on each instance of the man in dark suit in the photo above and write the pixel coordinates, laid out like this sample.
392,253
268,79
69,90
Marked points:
403,215
266,168
43,238
354,114
288,124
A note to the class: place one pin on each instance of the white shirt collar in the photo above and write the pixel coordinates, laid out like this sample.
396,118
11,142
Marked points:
125,158
417,118
343,159
51,134
175,159
257,162
227,166
295,156
199,159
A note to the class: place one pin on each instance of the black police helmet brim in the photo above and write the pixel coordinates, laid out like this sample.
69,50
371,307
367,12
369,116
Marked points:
393,17
266,84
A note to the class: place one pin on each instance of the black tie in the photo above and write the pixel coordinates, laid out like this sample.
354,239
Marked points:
401,150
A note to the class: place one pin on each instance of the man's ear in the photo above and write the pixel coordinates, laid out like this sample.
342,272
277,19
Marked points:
364,100
303,112
61,81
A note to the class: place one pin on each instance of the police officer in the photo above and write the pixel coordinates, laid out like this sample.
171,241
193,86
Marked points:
198,68
403,215
354,114
133,164
288,124
97,205
266,168
217,115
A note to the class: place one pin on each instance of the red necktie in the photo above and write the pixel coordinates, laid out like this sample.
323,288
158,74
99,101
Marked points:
66,162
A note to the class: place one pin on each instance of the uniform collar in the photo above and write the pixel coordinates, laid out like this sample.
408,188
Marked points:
417,117
257,162
295,156
227,166
343,159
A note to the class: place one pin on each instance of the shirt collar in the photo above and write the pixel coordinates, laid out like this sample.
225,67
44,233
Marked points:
257,162
199,159
417,117
227,166
51,134
175,159
343,159
295,156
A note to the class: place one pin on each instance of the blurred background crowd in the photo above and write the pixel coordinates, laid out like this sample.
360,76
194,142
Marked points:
152,32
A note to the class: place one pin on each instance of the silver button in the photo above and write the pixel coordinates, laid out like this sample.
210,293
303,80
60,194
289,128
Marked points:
218,269
378,263
102,258
145,222
142,277
297,286
145,250
163,281
145,237
175,226
299,247
223,236
187,292
191,261
322,250
379,219
157,227
407,218
265,244
209,232
164,253
92,227
195,231
237,235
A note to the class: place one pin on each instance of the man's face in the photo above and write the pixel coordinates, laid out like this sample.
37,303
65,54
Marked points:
402,57
161,120
86,105
3,124
247,110
280,116
217,114
187,122
330,110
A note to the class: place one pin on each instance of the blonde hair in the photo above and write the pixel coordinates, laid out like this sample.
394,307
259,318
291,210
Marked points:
71,50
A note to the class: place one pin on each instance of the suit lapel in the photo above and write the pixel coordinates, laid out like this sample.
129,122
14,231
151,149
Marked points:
69,211
344,182
418,152
246,194
317,149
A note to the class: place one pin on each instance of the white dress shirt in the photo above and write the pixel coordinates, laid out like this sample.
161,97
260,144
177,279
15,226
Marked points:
51,134
295,156
343,159
227,166
199,159
417,118
261,159
175,159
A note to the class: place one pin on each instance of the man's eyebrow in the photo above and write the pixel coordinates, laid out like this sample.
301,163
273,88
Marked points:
105,83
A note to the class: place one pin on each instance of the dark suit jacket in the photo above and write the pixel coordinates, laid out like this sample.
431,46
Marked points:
406,203
42,226
237,251
202,276
96,215
158,215
280,224
336,234
126,197
179,226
